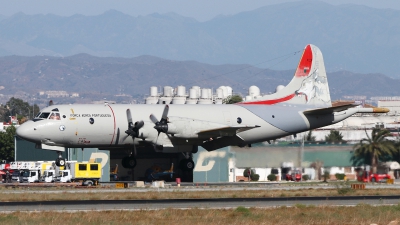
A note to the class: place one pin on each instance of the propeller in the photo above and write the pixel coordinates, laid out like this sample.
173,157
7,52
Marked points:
133,128
162,125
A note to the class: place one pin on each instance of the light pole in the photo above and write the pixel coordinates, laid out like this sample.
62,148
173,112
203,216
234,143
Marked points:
29,110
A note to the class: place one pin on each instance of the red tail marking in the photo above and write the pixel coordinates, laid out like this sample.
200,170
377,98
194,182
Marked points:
303,69
270,102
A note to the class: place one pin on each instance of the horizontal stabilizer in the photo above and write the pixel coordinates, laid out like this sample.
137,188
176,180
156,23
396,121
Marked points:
225,131
328,110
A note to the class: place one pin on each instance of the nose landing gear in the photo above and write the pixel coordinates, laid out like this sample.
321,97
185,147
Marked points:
60,161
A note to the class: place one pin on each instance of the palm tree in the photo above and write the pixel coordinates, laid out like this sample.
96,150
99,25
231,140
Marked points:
374,147
317,165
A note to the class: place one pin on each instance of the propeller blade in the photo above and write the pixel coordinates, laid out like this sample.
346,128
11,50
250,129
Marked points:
153,119
165,113
139,124
129,117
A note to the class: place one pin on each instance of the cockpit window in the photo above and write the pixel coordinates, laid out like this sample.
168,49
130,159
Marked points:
44,115
55,110
55,116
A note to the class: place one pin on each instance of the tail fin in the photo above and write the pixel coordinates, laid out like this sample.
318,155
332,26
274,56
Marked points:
309,85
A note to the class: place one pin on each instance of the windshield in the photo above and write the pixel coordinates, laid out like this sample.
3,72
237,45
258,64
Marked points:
54,115
25,174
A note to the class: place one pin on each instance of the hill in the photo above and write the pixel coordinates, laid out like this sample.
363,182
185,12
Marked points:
352,37
96,78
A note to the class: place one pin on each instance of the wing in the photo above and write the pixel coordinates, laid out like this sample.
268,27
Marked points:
328,110
225,131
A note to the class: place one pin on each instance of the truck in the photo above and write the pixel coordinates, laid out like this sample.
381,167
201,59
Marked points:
87,173
48,176
366,176
16,176
34,172
6,171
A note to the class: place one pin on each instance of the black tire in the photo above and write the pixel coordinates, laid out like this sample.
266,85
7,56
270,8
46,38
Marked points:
373,180
129,162
60,162
186,165
132,162
125,162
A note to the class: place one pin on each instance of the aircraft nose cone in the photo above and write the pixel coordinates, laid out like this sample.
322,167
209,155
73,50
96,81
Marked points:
25,131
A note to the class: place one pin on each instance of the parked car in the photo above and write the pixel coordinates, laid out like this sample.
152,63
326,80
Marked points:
366,176
293,175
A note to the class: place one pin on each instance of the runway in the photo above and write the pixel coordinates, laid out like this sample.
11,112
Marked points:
220,203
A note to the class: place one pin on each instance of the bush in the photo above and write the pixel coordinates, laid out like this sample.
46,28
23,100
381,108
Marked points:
254,177
271,177
305,177
340,176
344,188
246,172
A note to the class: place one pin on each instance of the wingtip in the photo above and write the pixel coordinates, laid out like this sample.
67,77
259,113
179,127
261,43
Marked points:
380,110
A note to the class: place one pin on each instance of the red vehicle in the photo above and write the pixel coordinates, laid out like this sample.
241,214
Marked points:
294,175
5,172
365,176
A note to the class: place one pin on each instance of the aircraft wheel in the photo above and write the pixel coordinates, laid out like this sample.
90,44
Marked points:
132,162
60,162
125,162
187,164
129,162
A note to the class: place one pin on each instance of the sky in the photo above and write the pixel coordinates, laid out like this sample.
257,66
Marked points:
201,10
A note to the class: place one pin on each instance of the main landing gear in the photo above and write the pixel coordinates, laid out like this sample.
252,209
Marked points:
187,163
129,162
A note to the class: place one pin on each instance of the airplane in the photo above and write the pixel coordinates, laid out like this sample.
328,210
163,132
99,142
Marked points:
302,105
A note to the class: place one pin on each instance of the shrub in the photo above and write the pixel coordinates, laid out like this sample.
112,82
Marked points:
274,171
340,176
254,177
246,172
344,188
271,177
305,177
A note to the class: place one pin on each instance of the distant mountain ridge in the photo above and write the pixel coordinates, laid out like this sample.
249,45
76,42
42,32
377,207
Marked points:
100,77
351,37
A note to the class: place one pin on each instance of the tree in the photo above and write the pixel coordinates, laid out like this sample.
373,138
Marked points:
232,99
309,136
7,144
373,148
334,136
18,107
317,165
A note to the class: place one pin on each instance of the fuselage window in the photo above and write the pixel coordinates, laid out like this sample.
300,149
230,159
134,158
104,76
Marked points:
55,116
